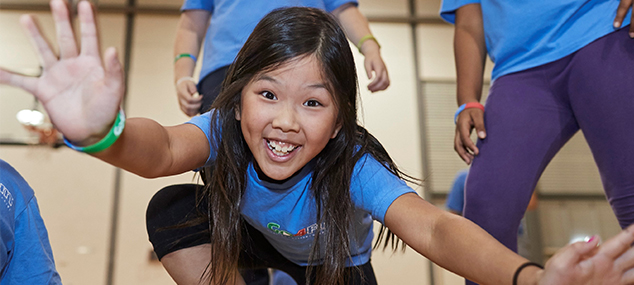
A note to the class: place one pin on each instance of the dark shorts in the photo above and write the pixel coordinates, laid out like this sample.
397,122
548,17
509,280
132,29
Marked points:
209,87
176,204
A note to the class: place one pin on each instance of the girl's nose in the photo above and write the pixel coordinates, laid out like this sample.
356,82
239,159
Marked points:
286,120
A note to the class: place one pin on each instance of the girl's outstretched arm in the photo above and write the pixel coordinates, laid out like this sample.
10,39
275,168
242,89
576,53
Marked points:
459,245
82,96
470,54
358,30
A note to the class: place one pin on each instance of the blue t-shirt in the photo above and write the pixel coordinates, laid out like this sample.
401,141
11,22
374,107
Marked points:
232,21
455,198
523,34
25,252
286,213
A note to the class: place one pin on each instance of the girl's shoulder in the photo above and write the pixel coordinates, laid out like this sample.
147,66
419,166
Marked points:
367,167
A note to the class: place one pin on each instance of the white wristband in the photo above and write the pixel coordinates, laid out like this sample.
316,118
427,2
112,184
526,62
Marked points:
186,78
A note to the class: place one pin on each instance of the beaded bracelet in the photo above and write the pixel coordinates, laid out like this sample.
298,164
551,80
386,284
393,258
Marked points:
467,106
107,141
185,55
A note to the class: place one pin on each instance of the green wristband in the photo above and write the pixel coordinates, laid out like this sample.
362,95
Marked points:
185,55
107,141
365,38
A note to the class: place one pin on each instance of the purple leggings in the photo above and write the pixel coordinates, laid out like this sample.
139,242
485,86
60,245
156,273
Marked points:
531,114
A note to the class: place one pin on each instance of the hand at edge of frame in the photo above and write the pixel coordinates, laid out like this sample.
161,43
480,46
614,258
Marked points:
587,262
81,94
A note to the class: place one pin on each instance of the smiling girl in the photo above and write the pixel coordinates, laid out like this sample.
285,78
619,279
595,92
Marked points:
293,182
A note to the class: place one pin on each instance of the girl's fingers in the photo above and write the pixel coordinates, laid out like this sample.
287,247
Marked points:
47,57
465,136
621,11
478,122
191,89
113,68
572,255
89,36
628,276
626,260
632,25
65,34
368,67
189,109
462,152
377,82
17,80
383,81
619,244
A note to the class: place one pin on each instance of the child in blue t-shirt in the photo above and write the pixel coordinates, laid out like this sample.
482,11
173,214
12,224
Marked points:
222,27
560,67
25,252
293,182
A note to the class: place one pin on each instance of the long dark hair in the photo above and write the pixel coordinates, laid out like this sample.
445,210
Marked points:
284,35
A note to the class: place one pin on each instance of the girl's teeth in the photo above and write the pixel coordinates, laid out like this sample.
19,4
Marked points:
280,150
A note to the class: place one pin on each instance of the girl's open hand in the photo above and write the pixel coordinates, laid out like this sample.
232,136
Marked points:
612,263
80,93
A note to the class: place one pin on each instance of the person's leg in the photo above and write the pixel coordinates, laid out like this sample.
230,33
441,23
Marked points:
182,247
602,96
258,253
527,122
209,87
180,235
189,265
361,275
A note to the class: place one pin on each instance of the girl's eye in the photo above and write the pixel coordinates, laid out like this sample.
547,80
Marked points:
312,103
268,95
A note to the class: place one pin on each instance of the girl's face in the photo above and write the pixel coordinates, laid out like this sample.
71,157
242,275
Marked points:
287,117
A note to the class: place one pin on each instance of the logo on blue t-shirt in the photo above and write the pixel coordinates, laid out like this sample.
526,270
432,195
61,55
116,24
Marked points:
305,231
6,195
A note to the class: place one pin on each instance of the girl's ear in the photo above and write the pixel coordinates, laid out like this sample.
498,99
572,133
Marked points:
237,113
336,131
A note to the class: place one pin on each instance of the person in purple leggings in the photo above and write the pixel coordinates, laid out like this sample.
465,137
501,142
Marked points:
560,67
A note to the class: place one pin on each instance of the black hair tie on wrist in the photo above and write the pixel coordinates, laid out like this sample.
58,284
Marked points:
519,269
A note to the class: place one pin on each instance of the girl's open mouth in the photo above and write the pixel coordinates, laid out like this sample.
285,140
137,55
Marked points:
281,148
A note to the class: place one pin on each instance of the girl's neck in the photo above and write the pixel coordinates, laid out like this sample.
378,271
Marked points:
265,178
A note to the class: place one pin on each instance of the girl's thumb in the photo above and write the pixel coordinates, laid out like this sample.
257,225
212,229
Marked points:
114,71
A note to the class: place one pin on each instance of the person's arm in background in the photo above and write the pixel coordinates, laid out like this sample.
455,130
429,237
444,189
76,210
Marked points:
356,27
470,54
455,198
189,37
